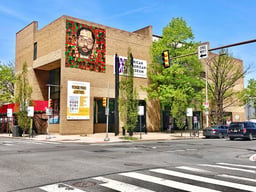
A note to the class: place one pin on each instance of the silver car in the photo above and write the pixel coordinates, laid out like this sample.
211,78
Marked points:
217,131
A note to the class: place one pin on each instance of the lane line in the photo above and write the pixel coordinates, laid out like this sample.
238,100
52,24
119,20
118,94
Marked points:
237,165
120,186
236,177
205,179
168,183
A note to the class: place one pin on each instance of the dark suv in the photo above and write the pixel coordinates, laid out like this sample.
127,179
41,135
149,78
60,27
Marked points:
245,129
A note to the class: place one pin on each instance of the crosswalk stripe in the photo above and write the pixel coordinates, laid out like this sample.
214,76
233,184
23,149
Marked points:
237,165
205,179
193,169
230,168
120,186
168,183
236,177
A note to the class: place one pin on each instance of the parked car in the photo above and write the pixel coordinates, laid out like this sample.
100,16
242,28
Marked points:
217,131
244,130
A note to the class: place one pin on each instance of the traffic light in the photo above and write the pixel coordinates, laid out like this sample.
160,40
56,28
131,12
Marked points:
104,102
166,58
50,103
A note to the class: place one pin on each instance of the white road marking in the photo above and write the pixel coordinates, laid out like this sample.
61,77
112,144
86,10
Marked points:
8,144
205,179
194,169
252,158
237,165
60,187
166,182
120,186
236,177
230,168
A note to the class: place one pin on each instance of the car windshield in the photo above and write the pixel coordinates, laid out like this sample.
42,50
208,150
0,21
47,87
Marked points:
236,125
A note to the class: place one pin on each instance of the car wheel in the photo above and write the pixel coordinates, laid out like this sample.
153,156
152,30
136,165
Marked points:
250,137
231,138
220,135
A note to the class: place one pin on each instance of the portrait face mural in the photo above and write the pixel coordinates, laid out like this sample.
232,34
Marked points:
85,47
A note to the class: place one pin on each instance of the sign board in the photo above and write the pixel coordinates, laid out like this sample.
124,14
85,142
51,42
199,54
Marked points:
48,111
189,112
141,110
9,112
106,111
139,67
206,105
30,111
78,101
202,51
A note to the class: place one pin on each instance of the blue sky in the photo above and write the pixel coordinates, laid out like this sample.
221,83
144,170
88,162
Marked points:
221,22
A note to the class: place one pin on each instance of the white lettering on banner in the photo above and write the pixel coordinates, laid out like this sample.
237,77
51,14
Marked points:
139,67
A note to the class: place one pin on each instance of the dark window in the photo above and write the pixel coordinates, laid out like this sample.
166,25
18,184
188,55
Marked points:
35,51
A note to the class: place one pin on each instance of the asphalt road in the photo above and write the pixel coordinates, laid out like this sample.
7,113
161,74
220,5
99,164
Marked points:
174,165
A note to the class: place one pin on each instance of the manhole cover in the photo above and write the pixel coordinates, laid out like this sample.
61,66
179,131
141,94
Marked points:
84,184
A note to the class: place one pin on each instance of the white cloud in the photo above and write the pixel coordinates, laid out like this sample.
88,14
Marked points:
13,13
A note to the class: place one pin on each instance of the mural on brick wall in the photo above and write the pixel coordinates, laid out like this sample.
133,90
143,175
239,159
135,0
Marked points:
85,47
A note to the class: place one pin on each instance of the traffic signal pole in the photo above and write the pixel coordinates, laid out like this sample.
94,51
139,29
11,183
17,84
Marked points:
216,48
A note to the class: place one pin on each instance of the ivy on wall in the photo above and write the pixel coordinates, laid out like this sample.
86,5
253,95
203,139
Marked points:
74,59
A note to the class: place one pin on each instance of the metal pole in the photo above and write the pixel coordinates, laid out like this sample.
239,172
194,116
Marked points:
116,94
107,113
140,128
48,123
206,96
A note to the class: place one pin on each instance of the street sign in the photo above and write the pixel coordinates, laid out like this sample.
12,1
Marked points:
189,112
48,111
9,112
202,51
30,111
140,110
206,105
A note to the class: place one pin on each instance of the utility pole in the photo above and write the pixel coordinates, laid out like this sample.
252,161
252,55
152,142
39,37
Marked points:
116,95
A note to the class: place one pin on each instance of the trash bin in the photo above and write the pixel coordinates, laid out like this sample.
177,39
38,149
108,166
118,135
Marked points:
16,131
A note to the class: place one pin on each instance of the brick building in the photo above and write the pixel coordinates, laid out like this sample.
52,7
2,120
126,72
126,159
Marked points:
72,61
79,82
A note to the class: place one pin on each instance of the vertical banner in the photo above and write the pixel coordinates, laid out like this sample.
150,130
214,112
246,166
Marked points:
78,106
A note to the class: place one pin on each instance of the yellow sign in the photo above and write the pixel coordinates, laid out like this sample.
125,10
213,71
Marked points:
78,106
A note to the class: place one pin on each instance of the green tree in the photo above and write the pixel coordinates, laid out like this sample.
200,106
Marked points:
179,86
128,103
224,74
7,80
248,95
23,97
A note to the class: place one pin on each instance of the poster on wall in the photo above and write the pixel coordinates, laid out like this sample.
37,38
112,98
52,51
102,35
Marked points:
78,100
85,47
139,67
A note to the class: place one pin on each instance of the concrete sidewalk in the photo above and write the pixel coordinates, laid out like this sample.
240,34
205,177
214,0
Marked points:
101,137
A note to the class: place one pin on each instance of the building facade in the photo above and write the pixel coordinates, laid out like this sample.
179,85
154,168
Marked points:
72,62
